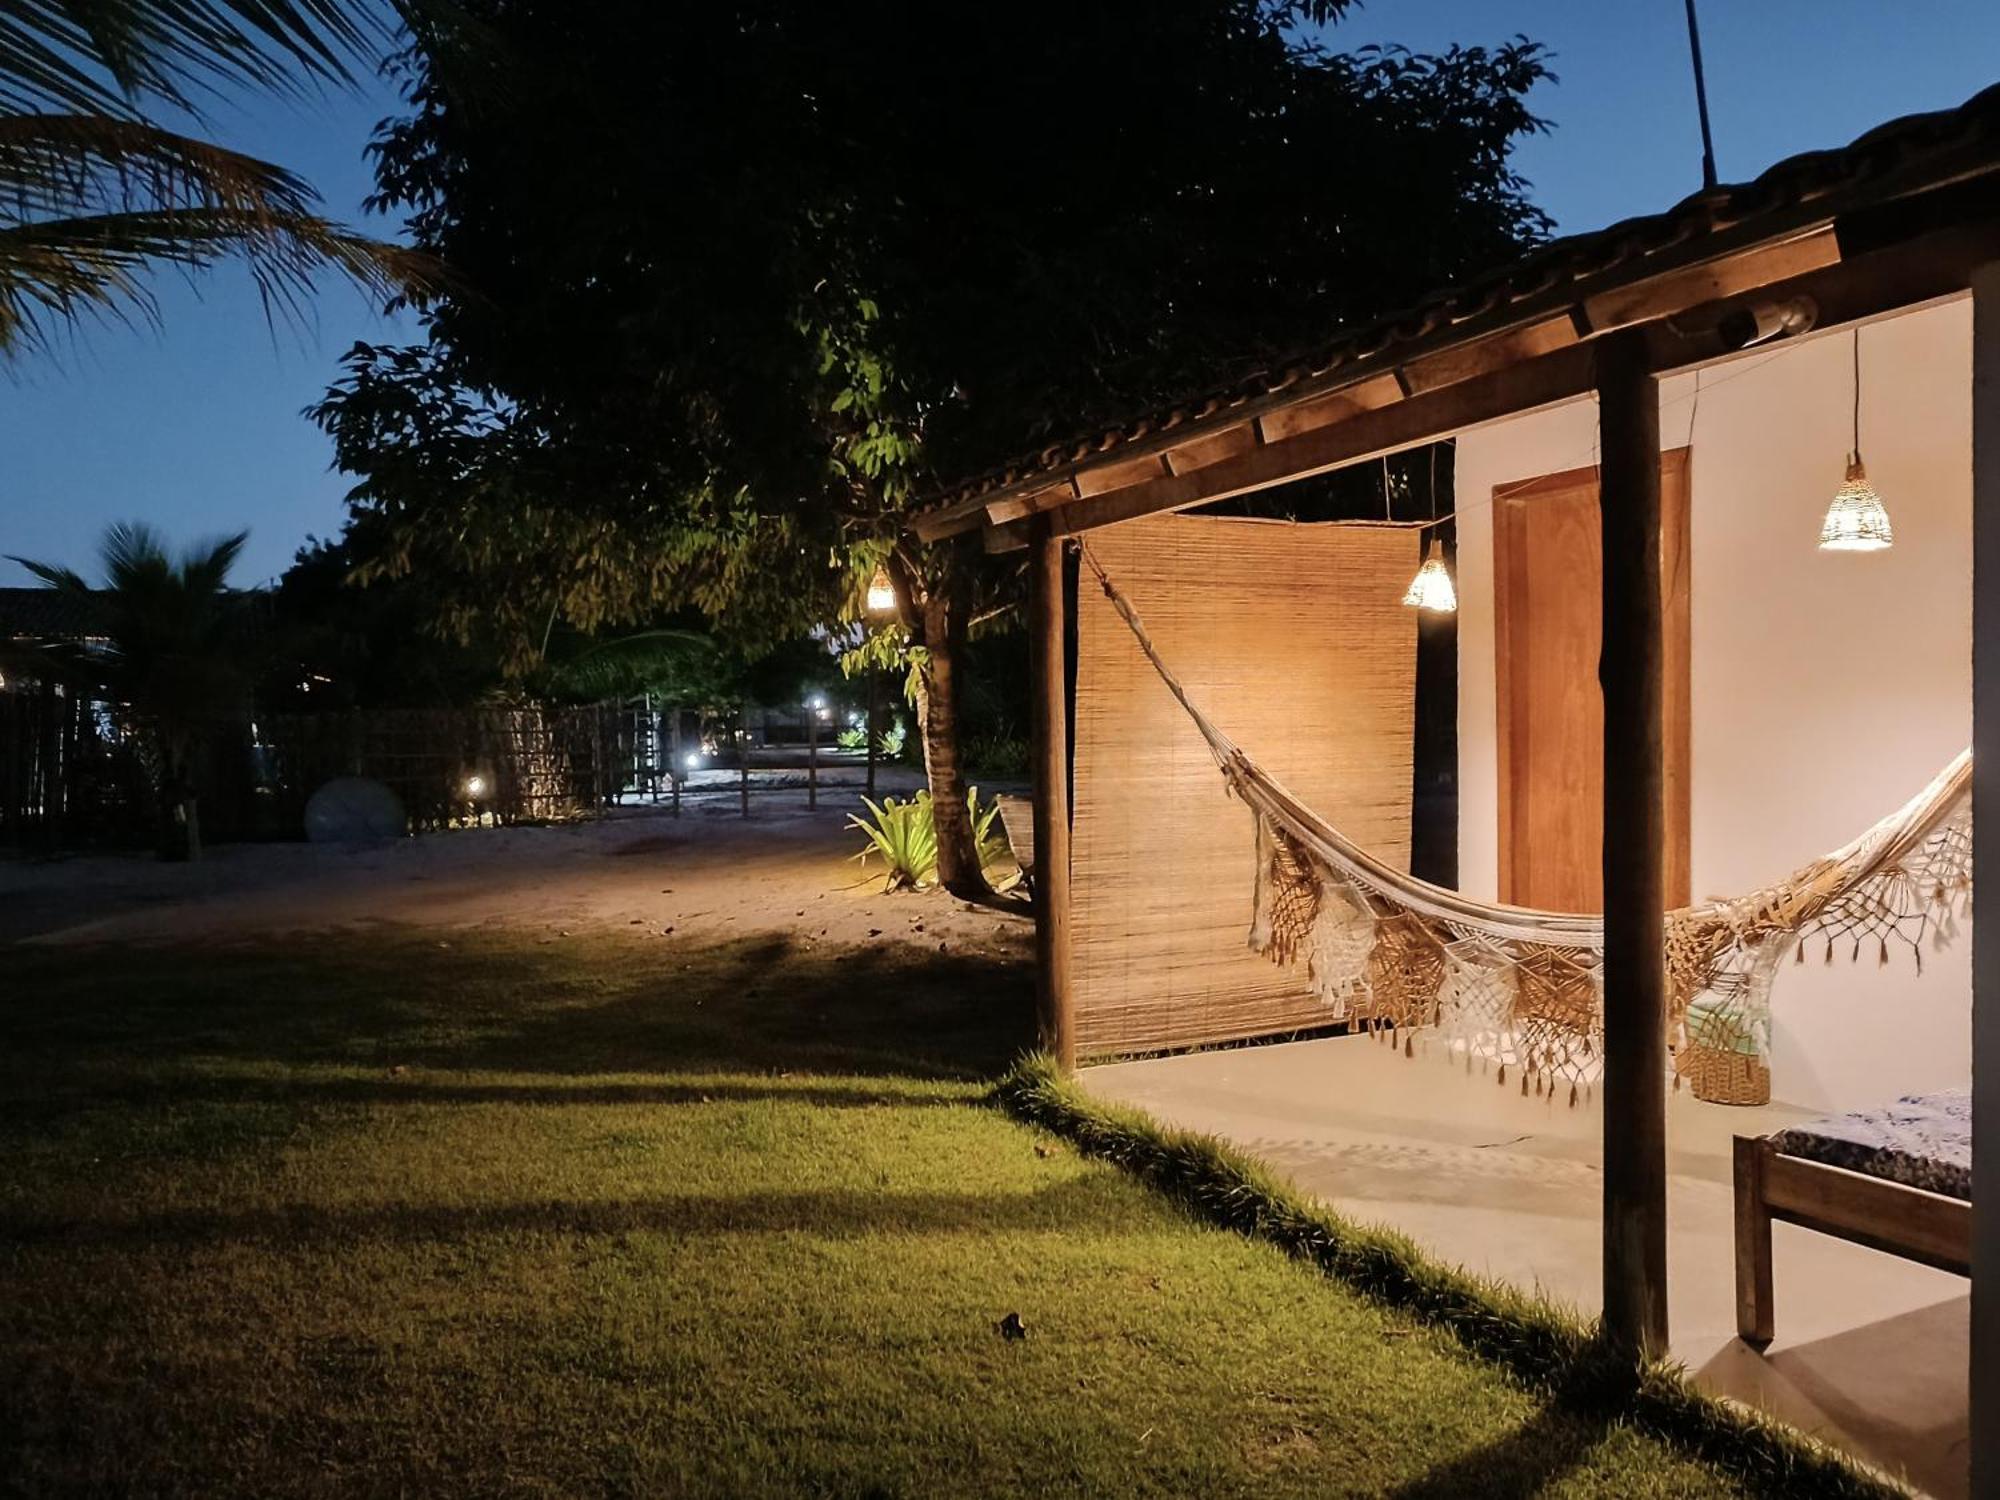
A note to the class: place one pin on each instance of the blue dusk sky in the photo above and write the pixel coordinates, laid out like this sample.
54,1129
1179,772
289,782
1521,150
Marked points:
195,425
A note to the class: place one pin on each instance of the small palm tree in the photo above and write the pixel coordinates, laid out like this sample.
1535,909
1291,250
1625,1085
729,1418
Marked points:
170,648
92,193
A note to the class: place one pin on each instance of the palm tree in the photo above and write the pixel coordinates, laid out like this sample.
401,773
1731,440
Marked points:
170,648
92,192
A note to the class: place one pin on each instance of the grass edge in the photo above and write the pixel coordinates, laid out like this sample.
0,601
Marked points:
1547,1348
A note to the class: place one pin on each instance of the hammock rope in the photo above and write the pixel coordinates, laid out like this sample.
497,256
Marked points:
1523,989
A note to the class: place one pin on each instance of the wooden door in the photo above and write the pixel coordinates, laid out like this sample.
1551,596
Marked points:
1548,575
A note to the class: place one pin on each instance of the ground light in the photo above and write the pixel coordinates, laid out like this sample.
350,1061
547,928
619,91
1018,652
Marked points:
881,592
1432,588
1857,520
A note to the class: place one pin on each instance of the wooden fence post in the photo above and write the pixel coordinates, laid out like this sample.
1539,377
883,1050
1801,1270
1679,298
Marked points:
874,690
1635,981
675,770
812,756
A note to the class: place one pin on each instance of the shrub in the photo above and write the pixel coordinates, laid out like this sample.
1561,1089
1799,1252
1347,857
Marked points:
1002,755
904,835
855,738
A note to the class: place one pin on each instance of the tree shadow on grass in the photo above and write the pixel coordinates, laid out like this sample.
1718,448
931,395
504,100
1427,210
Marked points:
1520,1464
101,1018
423,1089
1066,1208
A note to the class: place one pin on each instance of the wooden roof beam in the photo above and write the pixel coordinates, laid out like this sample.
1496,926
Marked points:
1212,448
1415,419
1710,280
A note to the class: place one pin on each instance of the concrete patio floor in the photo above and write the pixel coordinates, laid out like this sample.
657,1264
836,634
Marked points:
1871,1350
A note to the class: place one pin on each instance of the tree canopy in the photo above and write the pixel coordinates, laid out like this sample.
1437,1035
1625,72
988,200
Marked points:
738,277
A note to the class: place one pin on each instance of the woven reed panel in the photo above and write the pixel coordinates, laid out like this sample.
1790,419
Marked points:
1295,642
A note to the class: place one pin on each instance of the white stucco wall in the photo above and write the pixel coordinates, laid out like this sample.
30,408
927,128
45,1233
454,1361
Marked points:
1827,687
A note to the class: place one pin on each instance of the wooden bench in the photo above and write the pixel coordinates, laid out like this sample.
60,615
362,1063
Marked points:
1873,1211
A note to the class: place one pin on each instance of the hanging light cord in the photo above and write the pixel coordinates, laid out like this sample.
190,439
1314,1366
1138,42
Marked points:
1857,393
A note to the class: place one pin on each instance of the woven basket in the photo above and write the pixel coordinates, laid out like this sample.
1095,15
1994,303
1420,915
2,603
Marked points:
1724,1076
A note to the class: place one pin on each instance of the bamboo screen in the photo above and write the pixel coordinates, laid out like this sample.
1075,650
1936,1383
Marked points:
1294,640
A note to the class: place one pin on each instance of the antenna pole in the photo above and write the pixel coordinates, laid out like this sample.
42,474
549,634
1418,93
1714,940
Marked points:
1701,100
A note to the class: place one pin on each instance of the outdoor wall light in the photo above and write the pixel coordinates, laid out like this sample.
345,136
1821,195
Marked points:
881,592
475,785
1857,520
1432,588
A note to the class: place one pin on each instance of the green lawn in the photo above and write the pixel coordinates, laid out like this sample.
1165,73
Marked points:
615,1216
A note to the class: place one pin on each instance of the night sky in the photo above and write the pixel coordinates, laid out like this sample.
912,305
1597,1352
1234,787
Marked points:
195,426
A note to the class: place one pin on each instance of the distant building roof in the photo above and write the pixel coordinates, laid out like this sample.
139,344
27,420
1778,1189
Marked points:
47,614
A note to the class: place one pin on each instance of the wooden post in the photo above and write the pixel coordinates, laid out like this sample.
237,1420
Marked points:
812,756
874,689
1635,980
1985,1374
1754,1316
1055,1013
743,755
675,770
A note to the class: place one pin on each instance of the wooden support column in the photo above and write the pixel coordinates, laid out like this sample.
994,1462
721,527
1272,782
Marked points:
1054,1011
1985,1373
1635,980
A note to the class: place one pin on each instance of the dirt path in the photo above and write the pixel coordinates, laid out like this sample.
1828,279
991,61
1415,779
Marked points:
708,872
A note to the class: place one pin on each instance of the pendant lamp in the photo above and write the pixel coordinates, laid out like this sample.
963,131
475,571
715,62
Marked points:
1857,520
881,592
1432,587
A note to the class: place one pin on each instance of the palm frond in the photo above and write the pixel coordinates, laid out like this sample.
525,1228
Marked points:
94,202
205,566
55,576
102,55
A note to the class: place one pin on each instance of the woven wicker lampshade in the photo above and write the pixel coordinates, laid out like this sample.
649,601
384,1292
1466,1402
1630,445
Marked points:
1857,520
881,592
1432,588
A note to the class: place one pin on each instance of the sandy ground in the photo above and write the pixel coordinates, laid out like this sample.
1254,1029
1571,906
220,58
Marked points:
709,872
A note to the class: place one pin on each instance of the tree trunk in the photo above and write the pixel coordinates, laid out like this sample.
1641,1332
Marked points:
180,833
958,866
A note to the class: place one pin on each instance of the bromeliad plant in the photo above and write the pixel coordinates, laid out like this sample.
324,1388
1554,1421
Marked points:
904,835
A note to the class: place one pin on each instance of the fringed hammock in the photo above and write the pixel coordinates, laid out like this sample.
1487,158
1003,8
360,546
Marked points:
1522,991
